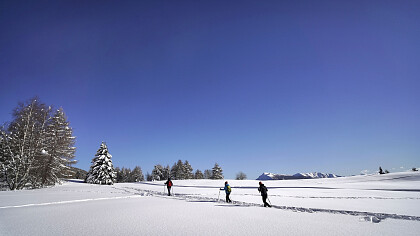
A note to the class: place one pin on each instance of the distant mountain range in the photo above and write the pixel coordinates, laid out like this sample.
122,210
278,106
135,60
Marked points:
313,175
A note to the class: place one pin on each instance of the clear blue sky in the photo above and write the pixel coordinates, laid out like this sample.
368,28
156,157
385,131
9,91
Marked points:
278,86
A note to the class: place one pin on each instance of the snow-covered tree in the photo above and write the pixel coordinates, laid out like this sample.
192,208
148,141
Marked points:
198,174
102,170
188,170
118,177
22,144
240,176
136,175
217,172
123,174
36,148
59,149
157,172
166,172
177,171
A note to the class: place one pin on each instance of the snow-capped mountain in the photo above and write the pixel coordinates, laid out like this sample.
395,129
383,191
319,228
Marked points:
312,175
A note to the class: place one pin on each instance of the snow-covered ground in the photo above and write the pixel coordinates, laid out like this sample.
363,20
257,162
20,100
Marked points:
360,205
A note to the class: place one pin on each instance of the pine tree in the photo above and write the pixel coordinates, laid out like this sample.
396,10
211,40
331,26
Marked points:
217,172
102,171
198,174
118,178
157,172
125,173
188,170
136,175
178,170
166,172
148,177
174,171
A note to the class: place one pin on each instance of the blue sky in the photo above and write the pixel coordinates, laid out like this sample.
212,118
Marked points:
256,86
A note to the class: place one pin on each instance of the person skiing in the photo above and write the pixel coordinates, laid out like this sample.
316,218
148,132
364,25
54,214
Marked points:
228,190
169,185
263,190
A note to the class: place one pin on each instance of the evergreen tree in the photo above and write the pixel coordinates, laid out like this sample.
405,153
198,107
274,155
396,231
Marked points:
136,174
102,171
119,178
166,172
188,170
177,171
174,171
148,177
198,175
217,172
157,172
126,172
180,170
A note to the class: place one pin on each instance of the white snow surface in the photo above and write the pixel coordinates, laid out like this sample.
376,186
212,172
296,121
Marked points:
359,205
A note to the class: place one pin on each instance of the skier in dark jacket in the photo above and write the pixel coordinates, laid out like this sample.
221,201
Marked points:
228,190
263,190
169,185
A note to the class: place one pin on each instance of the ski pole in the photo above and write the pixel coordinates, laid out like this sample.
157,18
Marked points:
218,197
269,200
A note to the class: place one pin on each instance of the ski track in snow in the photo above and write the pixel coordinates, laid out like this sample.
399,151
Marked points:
70,201
312,197
194,198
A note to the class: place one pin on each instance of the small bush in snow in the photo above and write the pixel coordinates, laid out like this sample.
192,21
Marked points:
240,176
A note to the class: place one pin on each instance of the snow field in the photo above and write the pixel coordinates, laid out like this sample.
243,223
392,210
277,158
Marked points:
342,206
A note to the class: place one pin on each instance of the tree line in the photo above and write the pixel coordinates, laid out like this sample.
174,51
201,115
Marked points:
183,170
36,147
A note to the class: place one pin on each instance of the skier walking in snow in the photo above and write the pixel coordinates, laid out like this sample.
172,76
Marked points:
169,185
263,190
228,190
